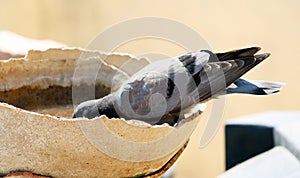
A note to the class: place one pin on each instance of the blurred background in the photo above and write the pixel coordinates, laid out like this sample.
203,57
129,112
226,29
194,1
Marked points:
225,25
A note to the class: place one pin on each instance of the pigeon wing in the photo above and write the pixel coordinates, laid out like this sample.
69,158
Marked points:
148,97
217,76
235,54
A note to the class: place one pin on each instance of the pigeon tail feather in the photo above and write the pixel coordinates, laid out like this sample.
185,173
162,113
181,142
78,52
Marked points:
255,87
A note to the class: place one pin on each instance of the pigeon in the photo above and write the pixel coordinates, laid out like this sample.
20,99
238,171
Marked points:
162,89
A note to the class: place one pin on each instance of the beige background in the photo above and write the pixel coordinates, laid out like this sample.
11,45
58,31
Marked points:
273,25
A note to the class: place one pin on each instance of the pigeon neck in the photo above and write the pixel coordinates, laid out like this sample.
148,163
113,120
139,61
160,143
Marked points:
106,106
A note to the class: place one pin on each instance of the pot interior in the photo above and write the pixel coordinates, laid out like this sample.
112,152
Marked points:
54,100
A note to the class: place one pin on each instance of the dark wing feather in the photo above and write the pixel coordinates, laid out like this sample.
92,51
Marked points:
235,54
216,76
188,61
194,61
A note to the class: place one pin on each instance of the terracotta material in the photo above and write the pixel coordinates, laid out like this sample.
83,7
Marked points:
42,139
